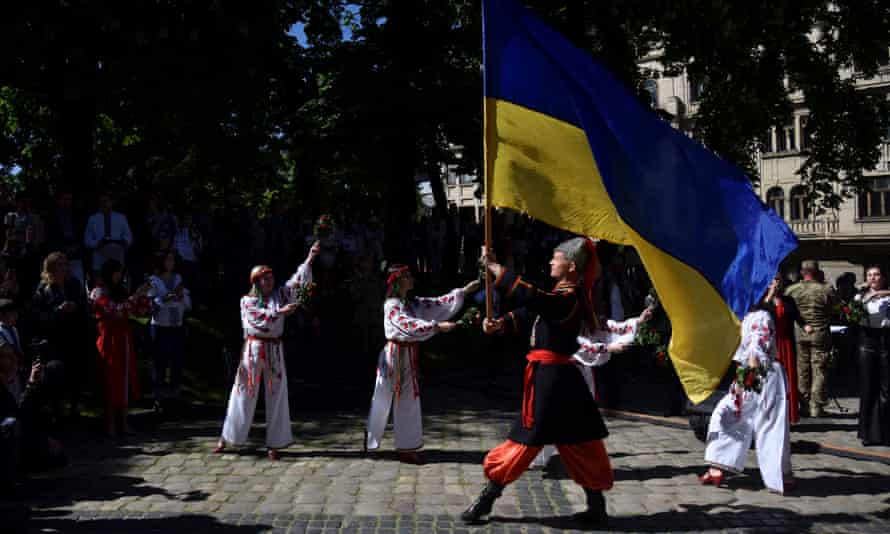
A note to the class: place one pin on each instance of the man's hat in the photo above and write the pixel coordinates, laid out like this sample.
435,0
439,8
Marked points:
809,265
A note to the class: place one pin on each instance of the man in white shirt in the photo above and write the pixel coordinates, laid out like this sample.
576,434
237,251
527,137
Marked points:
107,234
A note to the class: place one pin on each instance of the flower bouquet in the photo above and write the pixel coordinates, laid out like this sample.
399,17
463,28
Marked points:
852,312
471,318
747,379
750,378
648,336
305,292
324,226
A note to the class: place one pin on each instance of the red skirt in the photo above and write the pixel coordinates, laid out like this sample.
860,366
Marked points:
117,364
788,360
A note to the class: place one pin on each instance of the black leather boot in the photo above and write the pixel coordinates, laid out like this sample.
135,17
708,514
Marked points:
595,516
483,503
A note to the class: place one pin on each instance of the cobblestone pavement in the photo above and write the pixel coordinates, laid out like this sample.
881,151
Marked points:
166,480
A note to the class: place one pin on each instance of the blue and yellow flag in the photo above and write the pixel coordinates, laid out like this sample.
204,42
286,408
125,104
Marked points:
568,144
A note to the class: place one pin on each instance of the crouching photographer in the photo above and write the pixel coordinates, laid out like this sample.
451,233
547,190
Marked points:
24,406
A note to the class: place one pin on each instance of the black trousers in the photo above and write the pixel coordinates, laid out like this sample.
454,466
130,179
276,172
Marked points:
874,385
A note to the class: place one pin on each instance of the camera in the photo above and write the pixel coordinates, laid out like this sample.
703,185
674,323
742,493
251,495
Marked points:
38,349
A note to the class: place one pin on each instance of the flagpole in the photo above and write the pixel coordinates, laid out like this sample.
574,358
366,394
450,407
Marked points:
486,176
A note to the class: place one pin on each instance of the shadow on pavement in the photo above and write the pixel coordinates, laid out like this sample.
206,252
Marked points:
179,523
839,482
68,491
696,518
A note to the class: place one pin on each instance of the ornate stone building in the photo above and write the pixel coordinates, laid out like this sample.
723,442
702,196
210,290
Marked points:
844,240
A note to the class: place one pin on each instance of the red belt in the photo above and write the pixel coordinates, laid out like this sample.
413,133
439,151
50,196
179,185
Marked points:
545,357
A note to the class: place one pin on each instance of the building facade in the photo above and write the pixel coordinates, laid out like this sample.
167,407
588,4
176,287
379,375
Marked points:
844,240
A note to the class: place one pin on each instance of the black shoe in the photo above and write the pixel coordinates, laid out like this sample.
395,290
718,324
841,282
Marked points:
595,516
483,503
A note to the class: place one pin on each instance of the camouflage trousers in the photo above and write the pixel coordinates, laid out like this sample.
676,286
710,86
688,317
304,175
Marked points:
812,370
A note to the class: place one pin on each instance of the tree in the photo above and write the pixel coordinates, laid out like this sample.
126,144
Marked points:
132,95
751,57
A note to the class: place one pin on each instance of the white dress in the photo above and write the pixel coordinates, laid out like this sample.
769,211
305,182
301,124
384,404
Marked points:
263,358
406,324
762,416
593,352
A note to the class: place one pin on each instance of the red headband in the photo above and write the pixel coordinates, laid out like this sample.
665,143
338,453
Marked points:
398,273
259,274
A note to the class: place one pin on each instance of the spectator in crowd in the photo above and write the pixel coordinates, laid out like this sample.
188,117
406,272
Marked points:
10,426
783,310
188,245
160,223
38,450
846,287
815,301
113,307
874,360
24,238
107,234
61,319
171,300
63,235
9,334
9,285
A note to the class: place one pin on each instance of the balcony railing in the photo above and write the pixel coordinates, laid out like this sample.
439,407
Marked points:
814,227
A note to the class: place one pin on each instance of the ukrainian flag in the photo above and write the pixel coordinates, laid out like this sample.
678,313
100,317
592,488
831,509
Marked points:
568,144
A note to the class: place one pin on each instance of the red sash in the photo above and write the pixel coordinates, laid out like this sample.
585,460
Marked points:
392,352
542,357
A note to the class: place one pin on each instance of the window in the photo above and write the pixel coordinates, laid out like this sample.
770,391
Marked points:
781,140
696,89
805,139
875,203
775,199
766,142
790,140
800,205
651,87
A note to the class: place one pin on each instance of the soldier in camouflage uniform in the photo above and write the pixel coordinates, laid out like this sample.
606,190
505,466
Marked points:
815,301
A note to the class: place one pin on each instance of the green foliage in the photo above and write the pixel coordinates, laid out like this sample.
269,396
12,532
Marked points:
217,98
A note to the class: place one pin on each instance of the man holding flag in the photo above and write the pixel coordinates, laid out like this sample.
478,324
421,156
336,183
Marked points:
568,144
557,405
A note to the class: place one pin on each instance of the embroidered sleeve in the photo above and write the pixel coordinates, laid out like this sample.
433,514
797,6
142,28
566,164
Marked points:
401,326
301,278
758,339
591,353
439,308
103,305
621,332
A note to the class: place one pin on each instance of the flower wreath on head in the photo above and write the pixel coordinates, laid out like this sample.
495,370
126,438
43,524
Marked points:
324,226
256,274
394,273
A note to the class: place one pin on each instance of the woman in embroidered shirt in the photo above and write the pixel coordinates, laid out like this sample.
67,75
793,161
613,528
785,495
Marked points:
406,322
117,358
874,360
263,311
741,415
170,301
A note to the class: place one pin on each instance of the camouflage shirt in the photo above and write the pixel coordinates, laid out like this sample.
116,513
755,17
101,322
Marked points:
815,301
